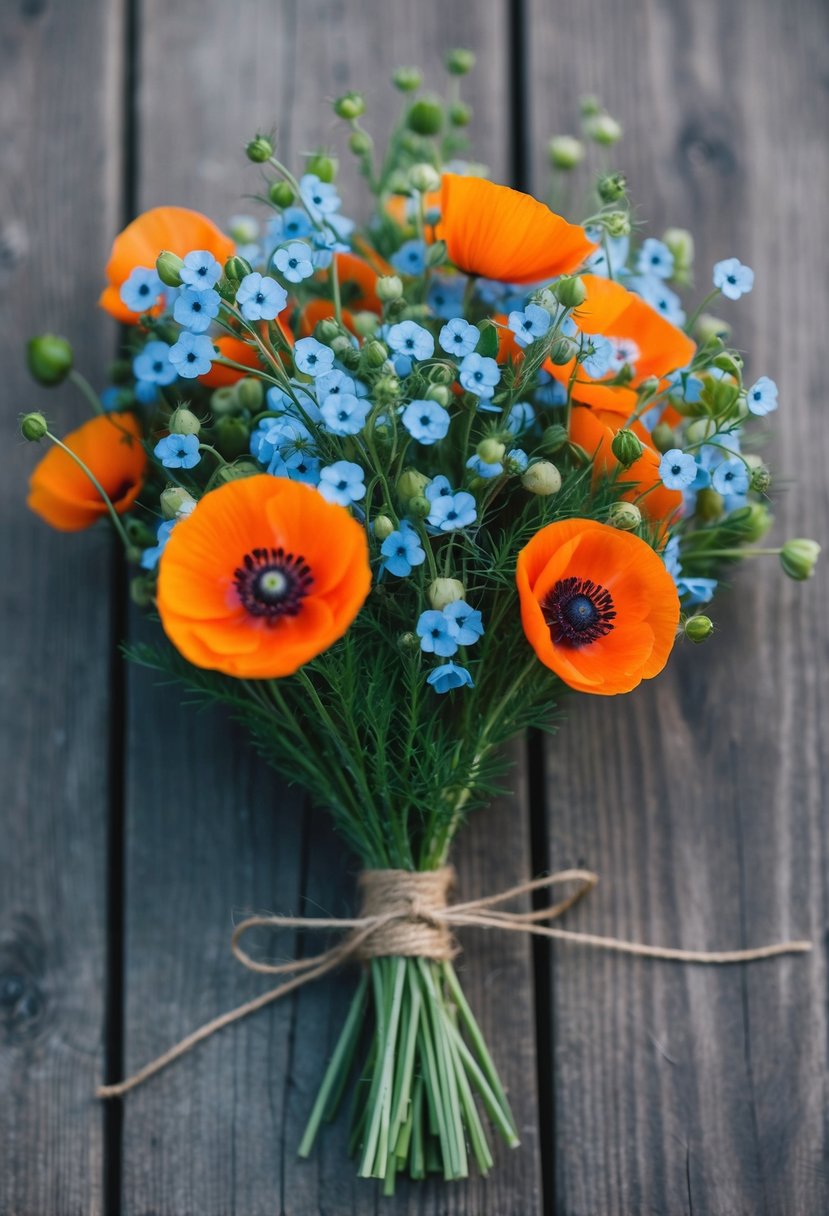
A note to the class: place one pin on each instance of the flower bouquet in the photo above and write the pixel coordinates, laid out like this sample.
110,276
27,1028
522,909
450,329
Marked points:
390,491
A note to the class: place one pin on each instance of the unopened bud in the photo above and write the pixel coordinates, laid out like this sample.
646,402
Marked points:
625,516
648,387
375,353
250,393
359,142
491,451
49,358
460,61
419,506
322,166
563,350
589,105
626,447
236,268
142,591
565,151
33,427
760,478
236,471
281,193
168,268
350,105
184,422
751,522
707,327
603,129
444,591
424,178
542,478
798,558
460,114
664,437
681,244
611,187
387,388
698,628
439,393
709,505
406,79
617,223
409,641
383,526
571,291
425,116
389,287
175,502
554,437
442,373
259,150
328,330
224,401
411,483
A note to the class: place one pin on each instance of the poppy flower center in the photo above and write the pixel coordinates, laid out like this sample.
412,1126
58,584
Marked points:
272,583
578,611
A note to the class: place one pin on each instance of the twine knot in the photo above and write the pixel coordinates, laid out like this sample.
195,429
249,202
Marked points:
407,908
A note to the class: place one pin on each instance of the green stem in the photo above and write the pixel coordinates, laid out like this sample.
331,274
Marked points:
478,1041
82,384
336,1066
695,315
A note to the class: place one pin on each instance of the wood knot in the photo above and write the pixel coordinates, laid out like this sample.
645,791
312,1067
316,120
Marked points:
408,906
22,995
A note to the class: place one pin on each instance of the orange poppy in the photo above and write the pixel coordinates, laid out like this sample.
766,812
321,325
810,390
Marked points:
110,446
262,576
593,430
502,234
358,283
598,606
614,312
175,228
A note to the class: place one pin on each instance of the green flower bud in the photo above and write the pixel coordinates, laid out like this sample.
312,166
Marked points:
281,193
49,358
424,178
383,527
425,116
571,291
406,79
565,151
224,401
626,447
439,393
250,393
360,143
176,502
681,244
323,165
625,516
460,114
419,506
231,437
617,223
760,478
184,422
603,129
751,522
554,438
563,350
611,187
730,361
707,327
168,267
491,451
328,330
663,437
542,478
409,641
698,628
442,373
33,426
236,268
709,505
375,353
365,323
142,590
410,484
351,105
589,105
138,532
460,62
648,387
389,287
798,558
259,150
444,591
387,389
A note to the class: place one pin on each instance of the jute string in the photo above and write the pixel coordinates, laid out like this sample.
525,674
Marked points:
406,914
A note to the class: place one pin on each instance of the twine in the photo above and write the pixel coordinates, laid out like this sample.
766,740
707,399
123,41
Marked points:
407,914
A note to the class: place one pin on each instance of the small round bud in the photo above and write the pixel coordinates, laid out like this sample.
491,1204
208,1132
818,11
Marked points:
168,267
603,129
175,502
491,451
419,506
709,505
224,401
259,149
375,353
444,591
617,223
389,287
442,373
439,393
410,484
626,447
460,62
698,628
409,641
460,114
424,178
571,291
663,437
648,387
351,105
322,165
625,516
760,478
731,362
360,143
563,350
425,116
281,193
406,79
611,187
250,393
565,151
681,244
236,268
328,330
142,591
708,327
184,422
589,105
798,558
232,437
49,358
554,438
387,388
751,522
383,526
542,478
33,426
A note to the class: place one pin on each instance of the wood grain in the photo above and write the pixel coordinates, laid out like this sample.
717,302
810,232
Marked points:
700,800
210,828
59,143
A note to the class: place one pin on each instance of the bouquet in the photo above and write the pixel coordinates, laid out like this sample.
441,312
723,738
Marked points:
390,491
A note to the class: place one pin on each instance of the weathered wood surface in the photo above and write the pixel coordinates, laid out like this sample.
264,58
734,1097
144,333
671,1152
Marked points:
658,1089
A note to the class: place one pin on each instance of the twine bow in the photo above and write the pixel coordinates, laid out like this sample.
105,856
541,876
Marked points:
405,913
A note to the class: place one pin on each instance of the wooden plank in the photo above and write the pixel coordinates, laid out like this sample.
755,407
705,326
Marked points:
59,194
699,799
208,828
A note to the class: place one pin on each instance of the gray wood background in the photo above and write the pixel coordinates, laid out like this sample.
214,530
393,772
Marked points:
130,828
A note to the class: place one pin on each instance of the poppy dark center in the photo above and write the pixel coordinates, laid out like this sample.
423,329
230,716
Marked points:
578,611
272,583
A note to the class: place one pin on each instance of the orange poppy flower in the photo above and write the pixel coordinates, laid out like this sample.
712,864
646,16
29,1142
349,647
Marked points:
175,228
110,446
598,606
262,576
614,312
358,283
593,430
502,234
